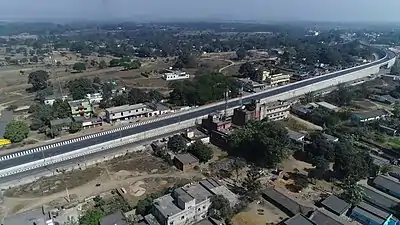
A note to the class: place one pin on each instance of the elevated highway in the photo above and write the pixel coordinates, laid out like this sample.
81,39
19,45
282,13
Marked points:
58,149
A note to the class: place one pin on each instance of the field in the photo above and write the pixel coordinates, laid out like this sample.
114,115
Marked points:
138,173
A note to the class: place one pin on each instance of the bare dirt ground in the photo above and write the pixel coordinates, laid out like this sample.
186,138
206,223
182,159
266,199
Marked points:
138,173
259,214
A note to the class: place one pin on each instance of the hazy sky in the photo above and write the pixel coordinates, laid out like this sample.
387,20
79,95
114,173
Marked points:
260,10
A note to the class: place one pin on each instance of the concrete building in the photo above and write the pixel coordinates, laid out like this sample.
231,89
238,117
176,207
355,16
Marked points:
251,86
380,199
185,161
36,216
388,185
368,116
63,124
322,216
298,219
159,109
274,111
368,214
127,112
114,219
277,79
195,135
385,99
89,123
328,106
94,98
296,136
81,108
215,122
336,205
49,100
189,204
175,75
245,114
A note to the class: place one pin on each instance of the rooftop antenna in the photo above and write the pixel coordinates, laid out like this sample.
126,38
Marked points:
226,103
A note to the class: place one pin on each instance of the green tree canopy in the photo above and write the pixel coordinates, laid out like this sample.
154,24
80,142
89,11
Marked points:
91,217
80,87
38,79
220,208
252,183
353,193
75,127
241,53
177,143
261,142
202,151
102,64
16,131
61,109
79,66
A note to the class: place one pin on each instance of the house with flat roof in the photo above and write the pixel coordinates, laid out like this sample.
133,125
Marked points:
388,185
328,106
185,161
368,214
36,216
116,218
298,219
63,124
336,205
127,112
372,115
81,107
49,100
322,216
189,204
296,136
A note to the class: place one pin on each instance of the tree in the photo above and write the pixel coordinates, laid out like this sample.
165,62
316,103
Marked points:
241,53
202,151
177,143
320,147
80,87
321,166
385,169
143,206
114,62
61,109
136,96
91,217
97,80
185,60
102,64
155,96
353,193
248,70
352,163
237,164
75,127
42,116
71,221
38,79
80,67
261,142
220,208
252,183
16,131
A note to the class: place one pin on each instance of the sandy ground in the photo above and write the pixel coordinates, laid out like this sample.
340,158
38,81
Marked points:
259,214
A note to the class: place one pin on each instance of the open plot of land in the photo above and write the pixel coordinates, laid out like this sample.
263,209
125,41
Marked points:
138,173
259,214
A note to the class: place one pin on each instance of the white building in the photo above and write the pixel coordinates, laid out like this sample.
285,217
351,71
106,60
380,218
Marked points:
275,110
94,98
278,79
175,75
127,112
189,204
49,100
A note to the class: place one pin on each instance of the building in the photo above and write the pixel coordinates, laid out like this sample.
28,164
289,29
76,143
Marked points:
388,130
49,100
127,112
63,124
328,106
274,111
251,86
380,199
89,123
81,108
364,117
195,135
190,203
388,185
159,109
368,214
245,114
336,205
296,136
114,219
175,75
36,216
322,216
185,161
94,98
330,138
215,122
277,79
386,99
298,219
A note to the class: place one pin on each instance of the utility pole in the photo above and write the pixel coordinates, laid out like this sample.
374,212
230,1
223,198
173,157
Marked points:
226,103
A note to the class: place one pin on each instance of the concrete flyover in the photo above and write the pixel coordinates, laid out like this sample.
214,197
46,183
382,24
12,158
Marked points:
24,160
